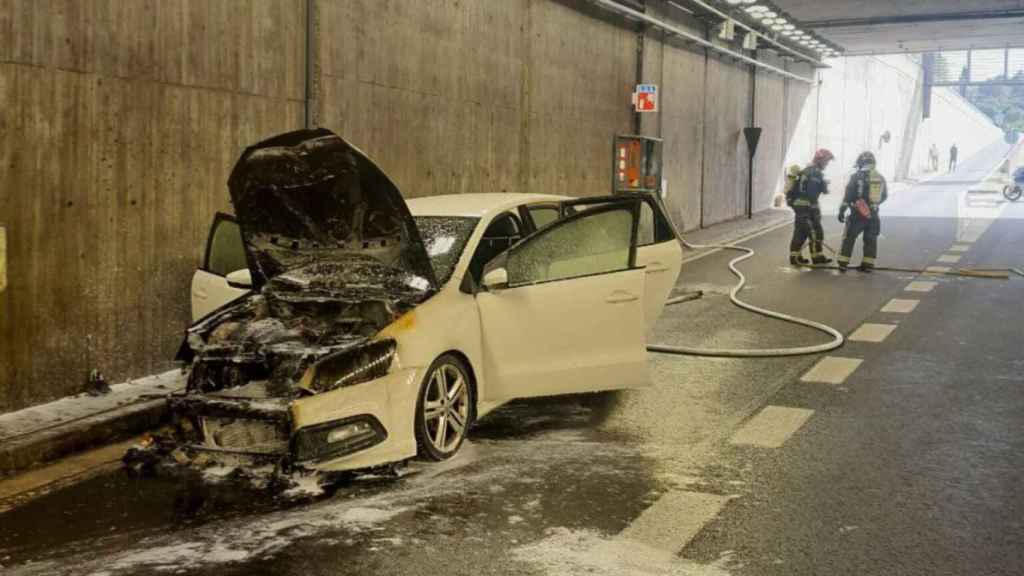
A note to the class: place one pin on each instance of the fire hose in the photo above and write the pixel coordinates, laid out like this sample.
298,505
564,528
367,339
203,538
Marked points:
837,338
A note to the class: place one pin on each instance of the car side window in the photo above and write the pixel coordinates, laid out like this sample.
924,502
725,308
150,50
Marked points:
653,226
645,226
504,231
543,215
597,242
225,252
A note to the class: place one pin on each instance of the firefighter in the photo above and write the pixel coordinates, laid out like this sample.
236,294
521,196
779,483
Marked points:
865,192
803,198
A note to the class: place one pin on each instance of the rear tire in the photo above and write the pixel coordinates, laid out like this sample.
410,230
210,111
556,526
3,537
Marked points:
443,408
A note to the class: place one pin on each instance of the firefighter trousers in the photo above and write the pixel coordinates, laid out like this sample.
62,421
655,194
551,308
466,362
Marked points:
855,226
807,226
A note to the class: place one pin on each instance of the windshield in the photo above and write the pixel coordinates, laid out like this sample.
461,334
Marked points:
445,237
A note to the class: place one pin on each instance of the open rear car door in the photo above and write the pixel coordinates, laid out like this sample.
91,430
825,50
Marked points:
658,252
569,316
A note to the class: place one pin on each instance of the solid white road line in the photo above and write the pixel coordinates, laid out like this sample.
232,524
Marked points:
872,333
771,427
949,258
672,521
898,306
920,286
831,370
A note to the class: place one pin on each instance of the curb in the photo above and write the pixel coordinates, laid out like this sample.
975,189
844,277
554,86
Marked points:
21,454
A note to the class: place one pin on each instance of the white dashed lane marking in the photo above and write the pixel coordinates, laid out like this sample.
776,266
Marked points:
898,306
959,248
938,269
920,286
872,332
771,427
671,522
831,370
949,258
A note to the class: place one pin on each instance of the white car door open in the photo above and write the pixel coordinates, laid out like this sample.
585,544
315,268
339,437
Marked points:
571,318
658,251
224,255
660,254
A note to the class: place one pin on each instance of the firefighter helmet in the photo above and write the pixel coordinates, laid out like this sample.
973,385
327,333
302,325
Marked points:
823,155
865,159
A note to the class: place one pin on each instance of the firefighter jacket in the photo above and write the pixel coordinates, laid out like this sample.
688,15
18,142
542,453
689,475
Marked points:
868,184
811,185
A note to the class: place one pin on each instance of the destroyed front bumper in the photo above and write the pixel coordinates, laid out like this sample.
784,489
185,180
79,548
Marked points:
350,428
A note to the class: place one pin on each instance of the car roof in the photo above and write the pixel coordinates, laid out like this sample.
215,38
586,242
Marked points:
473,205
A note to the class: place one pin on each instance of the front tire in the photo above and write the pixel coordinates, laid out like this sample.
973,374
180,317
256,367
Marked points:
443,408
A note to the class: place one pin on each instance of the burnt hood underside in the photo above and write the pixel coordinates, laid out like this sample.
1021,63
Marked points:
309,196
334,254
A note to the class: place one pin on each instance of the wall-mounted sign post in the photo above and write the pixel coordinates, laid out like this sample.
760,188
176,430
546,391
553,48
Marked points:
753,136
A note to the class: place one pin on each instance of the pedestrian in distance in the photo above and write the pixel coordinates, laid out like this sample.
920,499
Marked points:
953,153
866,191
802,196
933,158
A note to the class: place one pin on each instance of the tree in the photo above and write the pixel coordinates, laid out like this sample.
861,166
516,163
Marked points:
1003,103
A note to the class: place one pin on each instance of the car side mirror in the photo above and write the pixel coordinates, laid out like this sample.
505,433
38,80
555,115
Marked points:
240,279
497,278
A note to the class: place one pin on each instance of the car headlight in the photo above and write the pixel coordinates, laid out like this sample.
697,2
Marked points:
350,367
336,438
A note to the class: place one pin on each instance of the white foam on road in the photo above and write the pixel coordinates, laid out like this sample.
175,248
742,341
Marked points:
771,427
872,333
831,370
900,306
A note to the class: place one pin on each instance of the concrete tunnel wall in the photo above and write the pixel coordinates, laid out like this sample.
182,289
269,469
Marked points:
122,121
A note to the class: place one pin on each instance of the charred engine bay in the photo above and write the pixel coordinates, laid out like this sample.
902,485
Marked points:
334,254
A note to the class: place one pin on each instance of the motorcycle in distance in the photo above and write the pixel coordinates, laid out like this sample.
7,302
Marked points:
1014,190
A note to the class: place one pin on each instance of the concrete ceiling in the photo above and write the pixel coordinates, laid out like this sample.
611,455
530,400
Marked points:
887,26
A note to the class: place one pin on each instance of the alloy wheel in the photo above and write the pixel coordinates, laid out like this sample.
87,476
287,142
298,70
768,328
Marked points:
445,408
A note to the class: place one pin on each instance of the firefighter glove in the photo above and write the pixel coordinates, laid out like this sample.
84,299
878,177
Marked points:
842,214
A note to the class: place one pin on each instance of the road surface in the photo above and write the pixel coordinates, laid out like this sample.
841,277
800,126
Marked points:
901,453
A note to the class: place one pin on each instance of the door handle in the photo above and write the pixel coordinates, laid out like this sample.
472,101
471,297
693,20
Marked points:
655,267
620,297
201,294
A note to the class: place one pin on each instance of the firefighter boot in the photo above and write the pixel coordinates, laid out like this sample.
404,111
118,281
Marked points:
798,260
821,260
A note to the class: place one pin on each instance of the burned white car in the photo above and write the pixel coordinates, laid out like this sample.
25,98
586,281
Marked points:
371,330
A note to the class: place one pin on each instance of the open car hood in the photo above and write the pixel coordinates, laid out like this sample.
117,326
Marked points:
335,257
309,199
